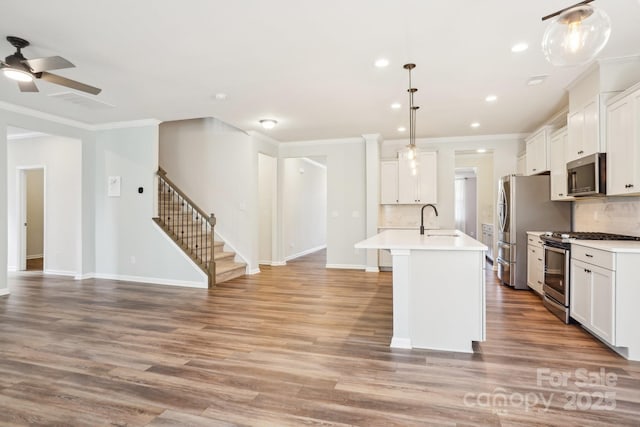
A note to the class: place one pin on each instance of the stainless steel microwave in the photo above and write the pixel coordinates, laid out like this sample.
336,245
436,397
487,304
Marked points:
587,176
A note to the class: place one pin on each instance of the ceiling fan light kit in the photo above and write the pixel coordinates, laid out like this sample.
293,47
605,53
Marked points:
25,71
575,35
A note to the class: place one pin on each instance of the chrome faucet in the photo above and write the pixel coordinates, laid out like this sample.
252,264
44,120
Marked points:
422,216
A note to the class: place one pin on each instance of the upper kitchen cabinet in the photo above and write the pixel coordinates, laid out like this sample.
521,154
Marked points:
558,164
398,185
584,130
389,182
588,97
623,143
537,159
421,187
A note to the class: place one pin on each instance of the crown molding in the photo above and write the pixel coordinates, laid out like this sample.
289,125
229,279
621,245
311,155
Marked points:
471,138
127,124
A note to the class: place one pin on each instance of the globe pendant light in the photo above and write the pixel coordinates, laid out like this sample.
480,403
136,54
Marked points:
575,35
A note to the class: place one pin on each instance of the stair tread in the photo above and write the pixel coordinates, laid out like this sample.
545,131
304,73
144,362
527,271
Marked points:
223,255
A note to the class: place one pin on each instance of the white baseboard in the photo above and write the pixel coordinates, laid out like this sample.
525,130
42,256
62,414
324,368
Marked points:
305,252
347,266
84,276
254,271
372,270
12,268
60,273
35,256
151,280
278,263
400,343
4,291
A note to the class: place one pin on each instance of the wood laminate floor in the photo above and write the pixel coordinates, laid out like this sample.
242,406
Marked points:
294,345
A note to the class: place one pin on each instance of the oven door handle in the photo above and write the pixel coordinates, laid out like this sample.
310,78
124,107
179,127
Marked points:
554,249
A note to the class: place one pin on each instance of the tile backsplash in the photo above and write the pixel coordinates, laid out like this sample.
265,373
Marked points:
406,216
620,215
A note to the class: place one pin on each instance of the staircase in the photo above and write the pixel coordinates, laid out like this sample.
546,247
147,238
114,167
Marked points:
193,231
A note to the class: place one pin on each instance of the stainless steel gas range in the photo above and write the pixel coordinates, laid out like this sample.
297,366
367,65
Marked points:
557,258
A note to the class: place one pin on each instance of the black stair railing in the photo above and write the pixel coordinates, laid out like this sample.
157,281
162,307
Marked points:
187,224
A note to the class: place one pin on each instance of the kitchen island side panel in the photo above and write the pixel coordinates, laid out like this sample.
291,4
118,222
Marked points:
446,300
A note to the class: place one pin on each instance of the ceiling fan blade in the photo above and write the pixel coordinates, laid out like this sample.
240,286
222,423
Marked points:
51,63
28,86
63,81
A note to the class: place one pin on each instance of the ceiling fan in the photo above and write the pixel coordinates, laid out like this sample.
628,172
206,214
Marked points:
25,71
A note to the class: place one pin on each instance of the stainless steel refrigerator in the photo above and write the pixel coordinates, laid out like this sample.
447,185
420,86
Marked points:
524,205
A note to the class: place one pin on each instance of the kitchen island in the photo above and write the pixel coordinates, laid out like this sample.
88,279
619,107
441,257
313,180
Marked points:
438,288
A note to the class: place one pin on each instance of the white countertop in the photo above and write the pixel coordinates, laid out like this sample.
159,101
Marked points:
627,246
447,240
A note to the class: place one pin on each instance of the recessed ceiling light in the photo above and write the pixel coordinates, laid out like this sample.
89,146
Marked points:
536,80
402,129
396,105
475,125
221,96
481,150
519,47
268,123
491,98
381,63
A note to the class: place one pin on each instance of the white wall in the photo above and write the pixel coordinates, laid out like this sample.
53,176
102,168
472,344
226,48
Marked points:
483,165
267,194
61,158
35,213
216,166
304,199
346,198
4,289
129,245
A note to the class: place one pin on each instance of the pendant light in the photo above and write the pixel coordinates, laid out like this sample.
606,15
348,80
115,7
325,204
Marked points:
412,154
576,34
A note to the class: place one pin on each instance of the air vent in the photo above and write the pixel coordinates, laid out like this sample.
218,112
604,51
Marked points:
86,101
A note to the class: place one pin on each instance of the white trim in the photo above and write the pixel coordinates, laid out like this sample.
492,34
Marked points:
45,116
152,280
335,141
400,343
313,162
372,270
254,271
35,256
278,263
305,252
26,135
4,291
127,124
84,276
74,123
346,266
60,273
470,138
12,268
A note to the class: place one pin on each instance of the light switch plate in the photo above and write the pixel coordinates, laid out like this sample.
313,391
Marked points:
113,186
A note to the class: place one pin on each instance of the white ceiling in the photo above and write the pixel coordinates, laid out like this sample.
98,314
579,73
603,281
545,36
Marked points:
308,64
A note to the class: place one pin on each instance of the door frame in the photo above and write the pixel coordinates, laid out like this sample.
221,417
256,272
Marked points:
21,232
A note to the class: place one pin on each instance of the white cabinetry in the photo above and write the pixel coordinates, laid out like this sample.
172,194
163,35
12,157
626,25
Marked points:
399,186
389,182
537,160
558,164
593,291
585,130
487,239
535,262
623,144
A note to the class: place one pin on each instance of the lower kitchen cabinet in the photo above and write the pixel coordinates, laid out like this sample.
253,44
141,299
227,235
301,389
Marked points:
487,239
593,299
535,263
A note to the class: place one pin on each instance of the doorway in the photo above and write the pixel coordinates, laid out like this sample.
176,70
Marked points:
31,196
466,190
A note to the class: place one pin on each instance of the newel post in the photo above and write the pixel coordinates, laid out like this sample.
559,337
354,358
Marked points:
212,263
